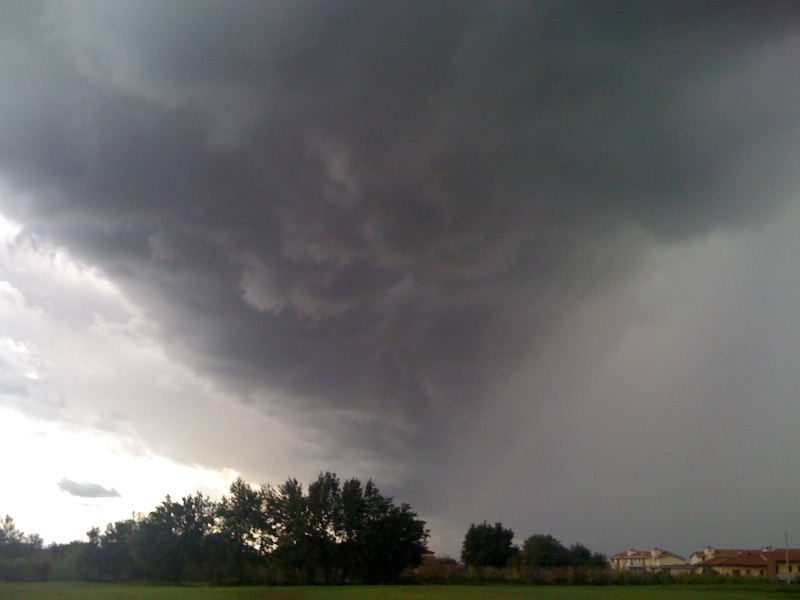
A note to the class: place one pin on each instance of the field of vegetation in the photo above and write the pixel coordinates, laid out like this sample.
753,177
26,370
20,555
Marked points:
102,591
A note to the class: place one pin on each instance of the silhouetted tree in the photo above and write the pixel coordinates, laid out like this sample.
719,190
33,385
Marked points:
20,555
488,545
244,529
598,560
389,538
116,551
545,552
287,511
344,532
172,539
324,502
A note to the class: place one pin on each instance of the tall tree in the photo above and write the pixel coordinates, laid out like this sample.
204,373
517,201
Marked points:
379,539
488,545
21,556
172,539
287,512
545,551
397,540
12,541
116,555
324,509
245,534
598,560
242,517
9,534
579,555
349,526
343,532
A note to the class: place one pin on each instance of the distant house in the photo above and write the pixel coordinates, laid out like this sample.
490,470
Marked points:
648,560
783,565
746,563
429,559
710,552
780,564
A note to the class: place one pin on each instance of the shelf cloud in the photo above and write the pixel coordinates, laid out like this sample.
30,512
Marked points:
418,235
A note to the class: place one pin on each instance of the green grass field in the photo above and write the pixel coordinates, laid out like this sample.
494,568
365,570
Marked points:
99,591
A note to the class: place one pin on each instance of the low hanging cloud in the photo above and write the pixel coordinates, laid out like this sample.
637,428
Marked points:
86,489
370,219
371,209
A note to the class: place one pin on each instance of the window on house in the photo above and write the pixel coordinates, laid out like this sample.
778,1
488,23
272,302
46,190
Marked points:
737,572
761,572
790,568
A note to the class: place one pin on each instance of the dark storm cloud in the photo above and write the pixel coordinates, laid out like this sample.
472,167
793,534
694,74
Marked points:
86,490
379,207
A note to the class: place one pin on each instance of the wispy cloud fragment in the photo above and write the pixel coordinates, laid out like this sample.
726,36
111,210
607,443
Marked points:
86,489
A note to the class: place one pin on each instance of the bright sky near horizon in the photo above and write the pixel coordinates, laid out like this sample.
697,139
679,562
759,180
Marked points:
534,263
74,365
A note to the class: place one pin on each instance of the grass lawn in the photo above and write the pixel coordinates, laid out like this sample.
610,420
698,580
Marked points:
100,591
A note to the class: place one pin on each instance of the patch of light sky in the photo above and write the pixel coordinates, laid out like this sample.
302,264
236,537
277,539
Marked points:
79,378
43,453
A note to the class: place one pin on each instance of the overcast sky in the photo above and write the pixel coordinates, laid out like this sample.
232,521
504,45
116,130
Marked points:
529,262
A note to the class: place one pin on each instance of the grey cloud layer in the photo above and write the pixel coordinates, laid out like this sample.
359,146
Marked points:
380,208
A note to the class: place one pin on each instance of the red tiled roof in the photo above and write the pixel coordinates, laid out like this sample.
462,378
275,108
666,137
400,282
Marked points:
779,555
726,551
627,553
744,559
642,554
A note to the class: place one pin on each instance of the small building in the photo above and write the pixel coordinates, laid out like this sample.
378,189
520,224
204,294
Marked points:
710,552
648,560
746,563
777,564
429,559
782,564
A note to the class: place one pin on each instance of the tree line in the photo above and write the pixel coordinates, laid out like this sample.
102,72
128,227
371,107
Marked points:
493,546
20,554
333,532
